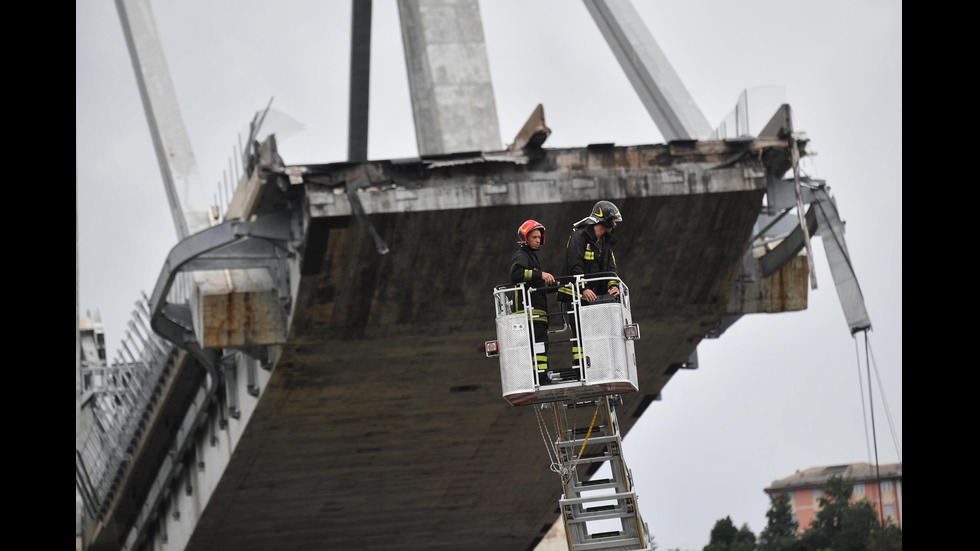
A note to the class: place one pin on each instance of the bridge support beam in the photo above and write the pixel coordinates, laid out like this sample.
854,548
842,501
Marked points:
648,70
187,197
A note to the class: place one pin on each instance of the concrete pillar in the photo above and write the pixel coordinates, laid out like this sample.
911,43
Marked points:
449,76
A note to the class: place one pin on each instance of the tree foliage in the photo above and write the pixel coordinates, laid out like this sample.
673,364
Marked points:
780,533
725,537
839,525
888,538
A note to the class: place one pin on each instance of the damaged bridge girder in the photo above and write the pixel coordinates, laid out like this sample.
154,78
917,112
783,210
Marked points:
671,190
387,348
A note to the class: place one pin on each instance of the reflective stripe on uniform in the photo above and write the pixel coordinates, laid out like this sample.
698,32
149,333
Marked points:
568,289
536,314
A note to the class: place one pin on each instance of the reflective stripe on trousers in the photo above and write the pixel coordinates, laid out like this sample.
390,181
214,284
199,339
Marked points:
542,361
537,315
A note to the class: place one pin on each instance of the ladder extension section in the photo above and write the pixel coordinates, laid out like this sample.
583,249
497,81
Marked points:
602,513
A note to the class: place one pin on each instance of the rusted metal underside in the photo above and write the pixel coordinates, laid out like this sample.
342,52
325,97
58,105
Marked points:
383,425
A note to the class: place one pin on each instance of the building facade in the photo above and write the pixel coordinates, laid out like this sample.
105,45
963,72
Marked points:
92,354
89,369
881,486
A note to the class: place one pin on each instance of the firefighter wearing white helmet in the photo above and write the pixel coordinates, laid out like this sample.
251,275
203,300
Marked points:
525,268
589,251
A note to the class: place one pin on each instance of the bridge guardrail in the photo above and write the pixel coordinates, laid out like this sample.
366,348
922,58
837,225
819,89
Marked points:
116,413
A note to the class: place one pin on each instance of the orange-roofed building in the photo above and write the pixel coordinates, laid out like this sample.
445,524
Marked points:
881,487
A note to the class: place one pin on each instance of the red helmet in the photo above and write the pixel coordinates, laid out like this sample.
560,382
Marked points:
527,227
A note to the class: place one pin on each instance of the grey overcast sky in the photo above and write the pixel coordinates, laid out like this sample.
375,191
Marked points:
776,393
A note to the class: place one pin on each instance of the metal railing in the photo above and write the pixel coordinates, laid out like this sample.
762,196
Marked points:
753,109
118,411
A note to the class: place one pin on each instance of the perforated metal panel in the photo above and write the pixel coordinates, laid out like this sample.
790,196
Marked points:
611,366
516,361
604,345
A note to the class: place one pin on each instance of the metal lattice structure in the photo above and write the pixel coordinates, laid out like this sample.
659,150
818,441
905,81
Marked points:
118,410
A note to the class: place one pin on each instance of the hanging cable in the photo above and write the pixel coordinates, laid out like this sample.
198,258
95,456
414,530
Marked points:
881,512
554,462
864,410
881,390
794,149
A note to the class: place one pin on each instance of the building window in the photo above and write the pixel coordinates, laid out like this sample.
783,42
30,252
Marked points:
859,489
817,492
886,487
889,510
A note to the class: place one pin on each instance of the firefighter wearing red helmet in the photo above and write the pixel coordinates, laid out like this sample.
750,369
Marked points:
525,268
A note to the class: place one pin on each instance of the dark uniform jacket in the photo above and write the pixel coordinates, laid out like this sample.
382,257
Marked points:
586,254
525,267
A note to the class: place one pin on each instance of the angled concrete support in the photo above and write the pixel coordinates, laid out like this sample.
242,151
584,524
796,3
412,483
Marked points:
648,70
841,269
187,197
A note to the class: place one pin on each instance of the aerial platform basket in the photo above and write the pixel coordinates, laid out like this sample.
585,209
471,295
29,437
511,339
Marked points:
605,337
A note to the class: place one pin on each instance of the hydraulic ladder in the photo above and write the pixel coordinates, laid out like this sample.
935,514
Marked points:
590,507
597,514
